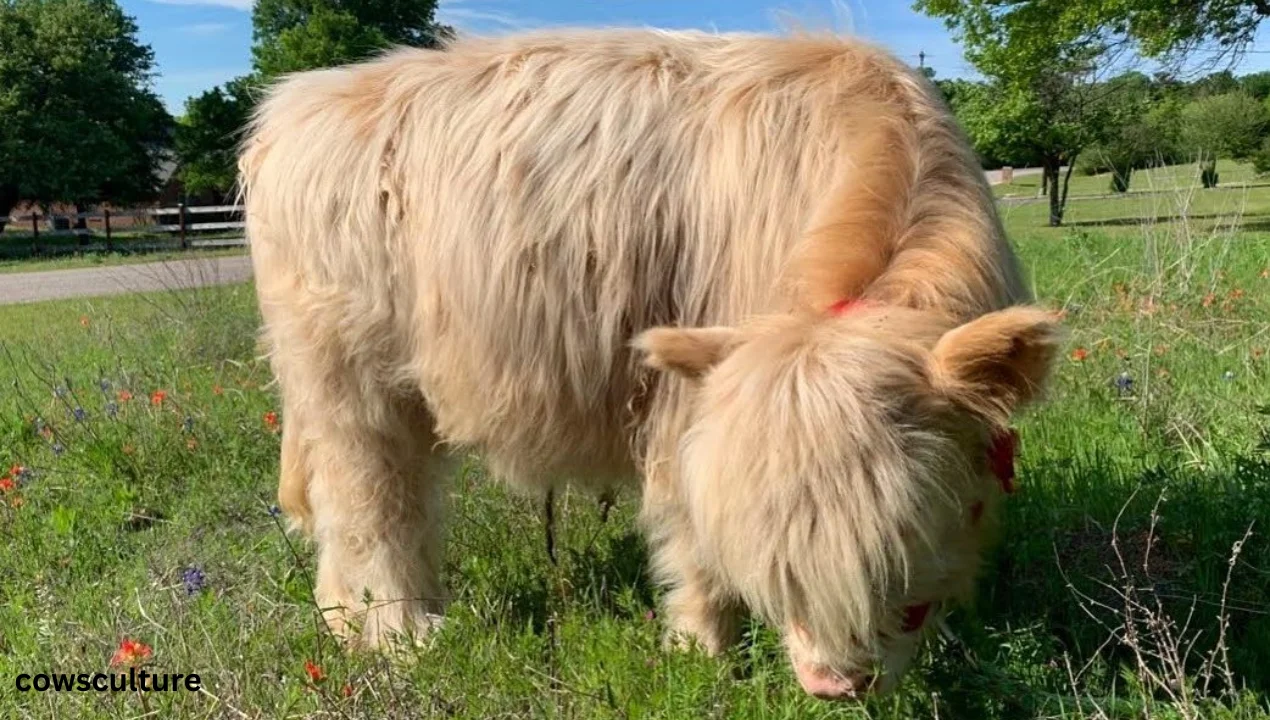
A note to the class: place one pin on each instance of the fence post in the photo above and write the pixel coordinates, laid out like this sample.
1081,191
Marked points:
185,245
110,246
35,232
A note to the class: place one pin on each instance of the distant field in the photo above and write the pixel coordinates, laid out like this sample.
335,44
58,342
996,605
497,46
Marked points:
1172,177
144,423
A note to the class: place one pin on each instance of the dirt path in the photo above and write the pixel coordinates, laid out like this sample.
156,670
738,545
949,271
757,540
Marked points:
118,279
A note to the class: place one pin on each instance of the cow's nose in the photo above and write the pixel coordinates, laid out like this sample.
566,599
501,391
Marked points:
828,684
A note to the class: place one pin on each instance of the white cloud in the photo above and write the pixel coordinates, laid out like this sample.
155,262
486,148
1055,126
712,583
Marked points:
210,28
244,5
481,17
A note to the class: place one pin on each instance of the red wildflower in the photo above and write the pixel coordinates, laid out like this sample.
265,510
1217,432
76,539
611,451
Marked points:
347,690
271,421
124,396
6,484
218,390
1208,300
314,672
17,470
130,652
1079,354
158,396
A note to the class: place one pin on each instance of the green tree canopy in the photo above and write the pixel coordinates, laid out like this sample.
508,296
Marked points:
1042,97
1156,27
1222,126
79,121
290,36
207,136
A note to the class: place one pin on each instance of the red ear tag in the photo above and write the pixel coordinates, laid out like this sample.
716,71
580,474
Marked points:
845,305
915,617
1001,458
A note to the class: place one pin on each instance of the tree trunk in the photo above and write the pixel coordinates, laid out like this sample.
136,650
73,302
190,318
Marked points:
1049,174
80,223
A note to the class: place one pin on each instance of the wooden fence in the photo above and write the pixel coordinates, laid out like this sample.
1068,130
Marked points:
180,220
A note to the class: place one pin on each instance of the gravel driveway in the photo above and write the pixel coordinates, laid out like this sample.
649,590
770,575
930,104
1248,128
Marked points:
118,279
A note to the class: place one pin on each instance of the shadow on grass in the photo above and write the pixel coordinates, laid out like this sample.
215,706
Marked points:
1098,559
1247,222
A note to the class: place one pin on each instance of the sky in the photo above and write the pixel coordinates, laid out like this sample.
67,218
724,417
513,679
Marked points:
202,43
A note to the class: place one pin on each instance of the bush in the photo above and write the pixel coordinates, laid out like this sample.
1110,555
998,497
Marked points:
1261,158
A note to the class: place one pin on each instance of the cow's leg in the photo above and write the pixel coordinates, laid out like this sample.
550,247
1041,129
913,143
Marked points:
697,608
376,519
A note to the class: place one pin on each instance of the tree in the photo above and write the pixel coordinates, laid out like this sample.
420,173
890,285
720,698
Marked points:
1155,27
1222,126
1257,84
79,121
207,136
1042,95
290,36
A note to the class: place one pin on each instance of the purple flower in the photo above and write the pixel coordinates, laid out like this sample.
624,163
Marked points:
104,384
194,580
22,475
188,424
80,414
1124,383
112,410
274,511
58,449
59,392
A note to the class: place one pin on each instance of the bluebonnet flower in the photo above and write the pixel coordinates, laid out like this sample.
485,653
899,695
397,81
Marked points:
80,414
21,474
58,449
104,384
194,580
112,410
1124,382
188,425
274,511
1228,376
59,392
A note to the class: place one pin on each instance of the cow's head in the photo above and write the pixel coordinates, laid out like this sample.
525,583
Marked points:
841,470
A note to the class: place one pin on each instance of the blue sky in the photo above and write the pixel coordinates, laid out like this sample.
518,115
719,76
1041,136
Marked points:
201,43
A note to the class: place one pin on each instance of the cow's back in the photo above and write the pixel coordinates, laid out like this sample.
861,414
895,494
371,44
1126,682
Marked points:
493,223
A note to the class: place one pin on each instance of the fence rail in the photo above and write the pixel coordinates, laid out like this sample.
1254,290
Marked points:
183,227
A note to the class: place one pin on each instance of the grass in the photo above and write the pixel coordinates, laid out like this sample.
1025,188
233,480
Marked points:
1112,595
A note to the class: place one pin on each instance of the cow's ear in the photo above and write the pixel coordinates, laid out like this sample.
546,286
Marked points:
690,352
999,362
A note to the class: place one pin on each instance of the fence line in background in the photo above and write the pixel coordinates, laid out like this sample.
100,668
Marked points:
182,227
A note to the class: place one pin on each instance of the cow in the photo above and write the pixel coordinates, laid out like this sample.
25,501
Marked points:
760,279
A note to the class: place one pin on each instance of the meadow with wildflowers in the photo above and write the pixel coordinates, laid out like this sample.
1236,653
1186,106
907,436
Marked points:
139,448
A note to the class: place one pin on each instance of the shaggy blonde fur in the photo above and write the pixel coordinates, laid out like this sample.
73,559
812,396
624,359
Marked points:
462,248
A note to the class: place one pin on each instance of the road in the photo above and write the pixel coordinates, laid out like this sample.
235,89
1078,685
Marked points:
119,279
994,176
